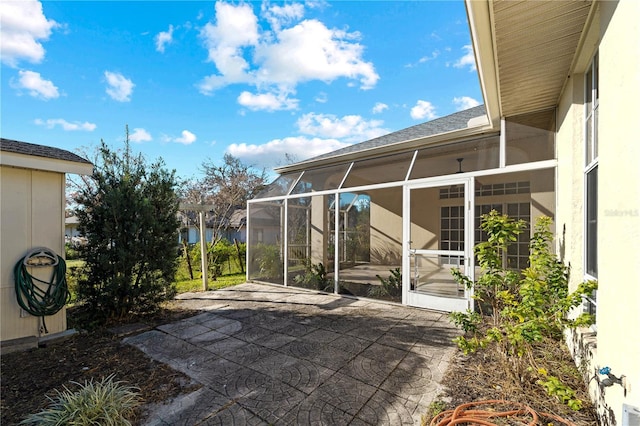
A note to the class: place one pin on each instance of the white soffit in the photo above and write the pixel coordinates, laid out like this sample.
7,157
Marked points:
535,44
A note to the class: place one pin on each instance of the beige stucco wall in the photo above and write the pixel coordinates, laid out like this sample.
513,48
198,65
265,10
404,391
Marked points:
31,215
618,315
319,228
386,226
425,218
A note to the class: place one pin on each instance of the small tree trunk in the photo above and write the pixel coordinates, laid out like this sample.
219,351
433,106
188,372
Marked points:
186,253
240,262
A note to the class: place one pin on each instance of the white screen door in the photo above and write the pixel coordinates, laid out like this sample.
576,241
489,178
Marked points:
437,238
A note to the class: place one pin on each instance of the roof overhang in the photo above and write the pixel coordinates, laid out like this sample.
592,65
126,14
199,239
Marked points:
525,51
25,161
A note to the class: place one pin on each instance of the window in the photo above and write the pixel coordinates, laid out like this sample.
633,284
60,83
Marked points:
591,179
452,228
517,256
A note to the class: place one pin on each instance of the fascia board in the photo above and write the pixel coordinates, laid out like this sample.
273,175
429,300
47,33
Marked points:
483,41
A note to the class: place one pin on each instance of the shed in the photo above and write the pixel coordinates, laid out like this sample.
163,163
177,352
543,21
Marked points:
32,214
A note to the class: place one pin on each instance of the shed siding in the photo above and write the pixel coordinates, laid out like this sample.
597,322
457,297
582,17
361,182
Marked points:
32,215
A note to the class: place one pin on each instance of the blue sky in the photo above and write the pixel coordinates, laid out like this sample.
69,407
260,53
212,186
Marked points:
258,80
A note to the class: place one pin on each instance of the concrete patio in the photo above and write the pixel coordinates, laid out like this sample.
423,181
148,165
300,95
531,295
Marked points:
280,355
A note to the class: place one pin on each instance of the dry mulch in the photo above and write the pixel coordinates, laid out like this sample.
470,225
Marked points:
27,377
483,376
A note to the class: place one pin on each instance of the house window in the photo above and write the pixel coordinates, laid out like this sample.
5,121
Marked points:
452,228
517,256
591,179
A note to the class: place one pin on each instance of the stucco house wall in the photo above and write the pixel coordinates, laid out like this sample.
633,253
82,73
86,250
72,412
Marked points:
32,203
615,340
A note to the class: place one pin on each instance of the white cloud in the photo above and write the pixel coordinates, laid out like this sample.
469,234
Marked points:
350,128
36,85
311,51
322,98
187,138
468,60
23,27
282,15
120,87
274,152
379,107
276,60
267,101
422,110
433,56
66,125
140,135
424,59
464,102
163,38
236,27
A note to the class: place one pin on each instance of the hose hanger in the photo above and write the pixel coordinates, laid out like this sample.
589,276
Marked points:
36,296
40,257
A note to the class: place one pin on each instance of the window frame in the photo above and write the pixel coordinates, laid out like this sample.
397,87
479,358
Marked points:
590,196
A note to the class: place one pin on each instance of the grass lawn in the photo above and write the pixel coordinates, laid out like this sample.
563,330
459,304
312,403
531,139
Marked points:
231,277
74,263
221,282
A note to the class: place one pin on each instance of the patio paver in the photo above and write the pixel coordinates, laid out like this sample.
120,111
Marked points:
280,355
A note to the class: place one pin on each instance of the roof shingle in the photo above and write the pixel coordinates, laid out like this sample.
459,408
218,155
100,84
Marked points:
18,147
449,123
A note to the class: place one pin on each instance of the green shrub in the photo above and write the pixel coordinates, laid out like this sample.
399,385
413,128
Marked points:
389,287
107,402
269,262
315,276
127,210
70,252
525,308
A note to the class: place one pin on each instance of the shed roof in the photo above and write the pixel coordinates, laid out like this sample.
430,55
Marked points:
27,148
42,157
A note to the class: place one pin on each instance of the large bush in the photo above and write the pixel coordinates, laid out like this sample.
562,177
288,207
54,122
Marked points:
127,211
519,311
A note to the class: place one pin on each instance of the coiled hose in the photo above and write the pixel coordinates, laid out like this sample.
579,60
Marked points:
48,297
469,414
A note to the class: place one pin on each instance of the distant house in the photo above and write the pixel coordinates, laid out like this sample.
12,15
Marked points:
236,229
238,226
32,205
71,227
556,136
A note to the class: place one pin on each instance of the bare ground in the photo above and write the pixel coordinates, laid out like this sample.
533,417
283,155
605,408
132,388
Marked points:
28,377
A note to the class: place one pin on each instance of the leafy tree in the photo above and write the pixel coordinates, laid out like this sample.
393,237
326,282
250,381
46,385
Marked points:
127,211
226,187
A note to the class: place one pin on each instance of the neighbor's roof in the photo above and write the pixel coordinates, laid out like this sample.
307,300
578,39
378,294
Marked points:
443,125
34,156
238,218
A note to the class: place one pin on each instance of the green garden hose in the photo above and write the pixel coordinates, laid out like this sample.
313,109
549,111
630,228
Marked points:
45,297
